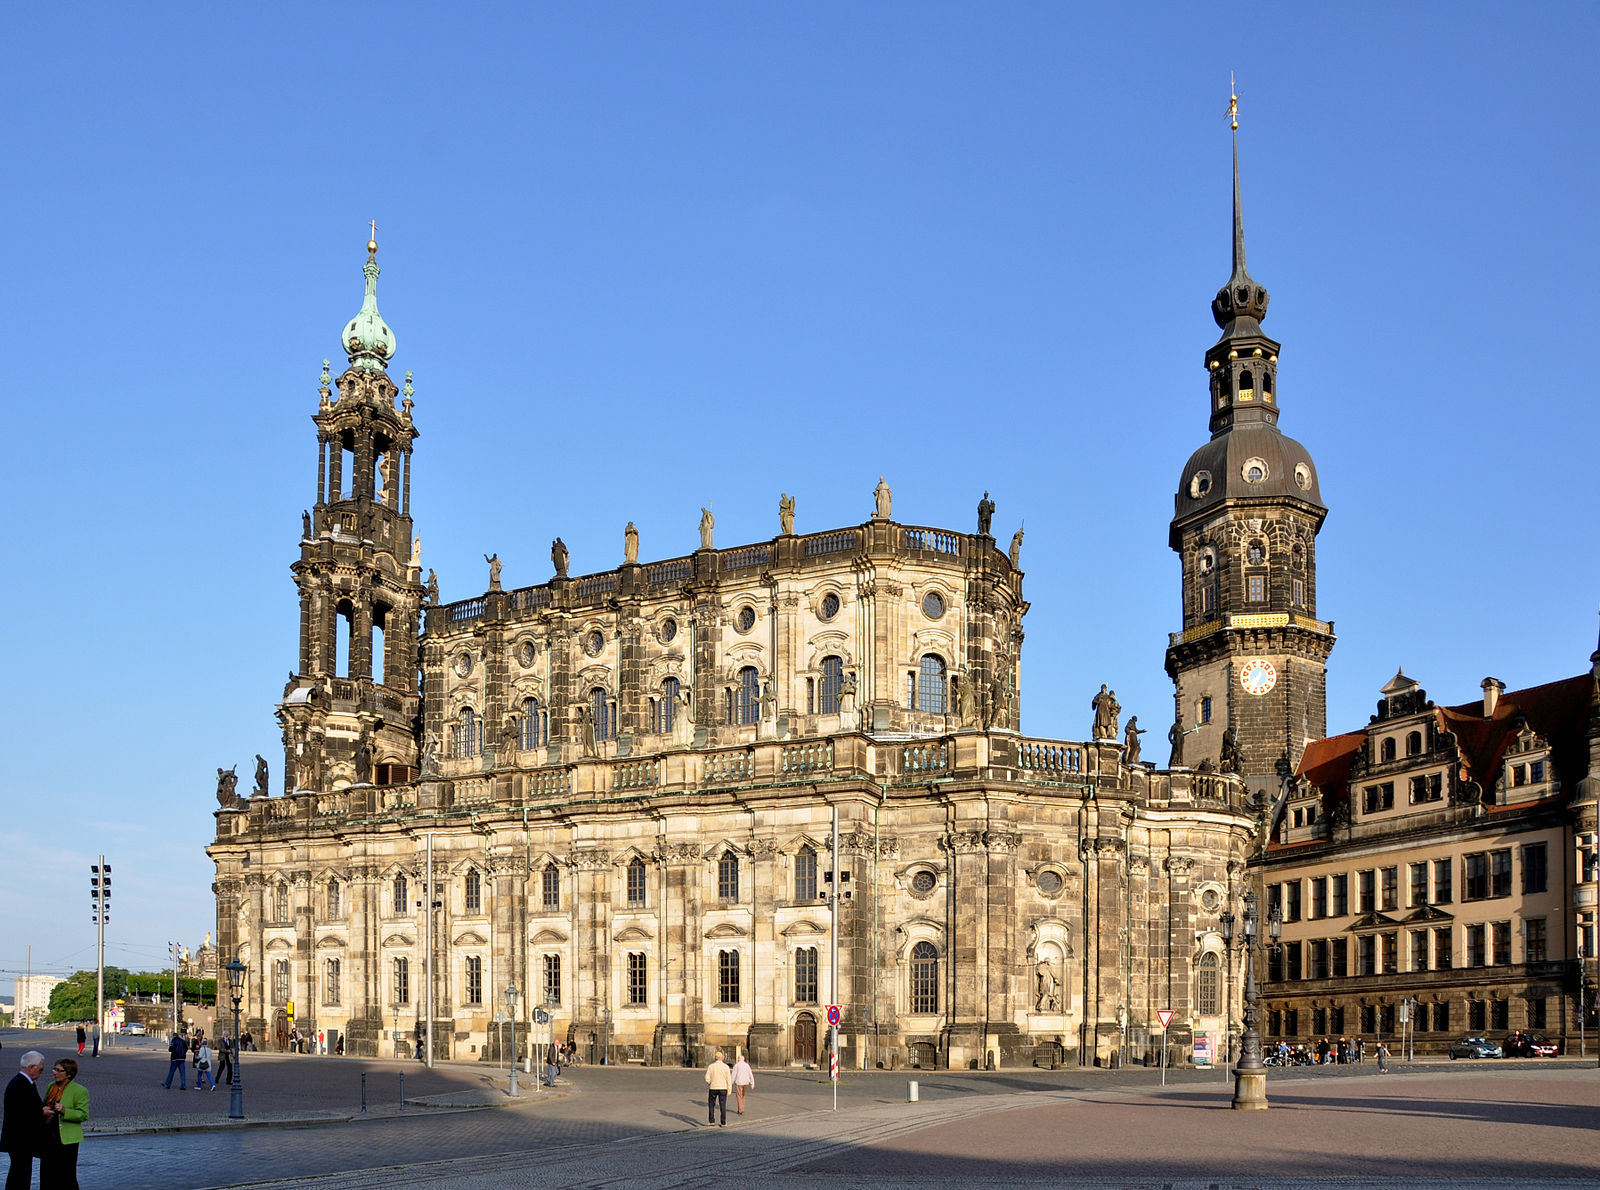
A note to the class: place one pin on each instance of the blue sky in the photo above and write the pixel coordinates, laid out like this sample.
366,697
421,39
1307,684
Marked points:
642,257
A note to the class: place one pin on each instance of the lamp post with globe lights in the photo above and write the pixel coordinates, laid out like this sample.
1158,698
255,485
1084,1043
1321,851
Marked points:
511,1012
1250,1072
236,971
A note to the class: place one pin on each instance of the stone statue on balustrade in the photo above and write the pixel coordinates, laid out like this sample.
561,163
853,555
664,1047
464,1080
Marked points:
1228,760
1106,709
262,780
847,694
559,557
1131,740
228,787
430,754
586,729
364,761
1016,549
707,524
494,570
1175,735
960,704
786,514
630,545
431,593
883,500
985,515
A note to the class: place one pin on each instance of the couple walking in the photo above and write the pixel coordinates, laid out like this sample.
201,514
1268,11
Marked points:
719,1078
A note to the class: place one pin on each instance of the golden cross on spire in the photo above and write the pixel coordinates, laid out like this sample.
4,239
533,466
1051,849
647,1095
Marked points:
1233,105
372,244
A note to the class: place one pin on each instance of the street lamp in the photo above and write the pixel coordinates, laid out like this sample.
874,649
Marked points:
511,1011
236,971
1250,1073
1122,1035
1227,919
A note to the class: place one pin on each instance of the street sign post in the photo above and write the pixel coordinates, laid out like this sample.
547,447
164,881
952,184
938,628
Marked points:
1164,1015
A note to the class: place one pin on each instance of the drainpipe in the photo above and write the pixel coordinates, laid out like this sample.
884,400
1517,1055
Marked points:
1083,942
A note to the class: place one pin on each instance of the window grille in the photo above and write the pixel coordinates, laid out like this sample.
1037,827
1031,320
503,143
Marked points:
924,978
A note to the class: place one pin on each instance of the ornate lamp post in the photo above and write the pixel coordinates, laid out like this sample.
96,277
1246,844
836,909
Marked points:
236,971
1250,1072
511,1011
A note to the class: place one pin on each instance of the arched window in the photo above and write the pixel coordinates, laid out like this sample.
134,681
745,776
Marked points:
552,980
344,627
280,981
402,980
747,702
636,891
667,706
474,892
727,977
1207,985
728,877
832,683
930,684
1247,385
330,981
1387,751
281,903
533,731
805,975
401,900
335,900
1414,744
805,874
550,886
472,981
1266,384
465,737
924,978
605,714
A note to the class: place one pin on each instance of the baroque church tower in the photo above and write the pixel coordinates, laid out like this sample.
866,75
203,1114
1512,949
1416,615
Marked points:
1252,656
349,709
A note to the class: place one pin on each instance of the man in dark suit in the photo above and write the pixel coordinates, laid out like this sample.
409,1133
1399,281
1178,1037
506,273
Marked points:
23,1129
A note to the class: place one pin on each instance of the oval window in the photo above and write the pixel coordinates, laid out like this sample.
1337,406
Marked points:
933,605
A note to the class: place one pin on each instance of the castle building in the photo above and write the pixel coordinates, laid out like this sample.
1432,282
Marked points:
618,792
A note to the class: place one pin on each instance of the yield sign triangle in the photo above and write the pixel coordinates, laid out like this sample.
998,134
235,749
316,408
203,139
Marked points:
1164,1015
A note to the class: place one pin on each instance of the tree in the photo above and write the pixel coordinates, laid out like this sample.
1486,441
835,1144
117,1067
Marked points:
74,998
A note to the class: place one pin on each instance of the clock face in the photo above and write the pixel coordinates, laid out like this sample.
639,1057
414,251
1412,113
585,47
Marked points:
1258,676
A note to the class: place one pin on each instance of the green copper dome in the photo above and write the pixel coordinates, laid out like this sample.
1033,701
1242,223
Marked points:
367,339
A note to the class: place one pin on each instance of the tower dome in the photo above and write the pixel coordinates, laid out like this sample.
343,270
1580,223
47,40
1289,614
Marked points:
367,339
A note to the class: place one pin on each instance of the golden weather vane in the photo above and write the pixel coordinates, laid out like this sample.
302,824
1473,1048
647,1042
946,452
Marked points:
1233,104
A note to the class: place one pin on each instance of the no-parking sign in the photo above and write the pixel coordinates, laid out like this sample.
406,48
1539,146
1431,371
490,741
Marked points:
833,1015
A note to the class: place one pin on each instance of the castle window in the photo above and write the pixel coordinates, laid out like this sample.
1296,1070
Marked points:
1534,946
931,685
280,901
636,891
830,686
637,984
533,729
805,874
466,738
474,898
1414,743
1299,593
472,982
1208,599
1205,709
552,980
749,701
728,877
550,886
401,901
1535,868
1386,751
805,975
1257,584
667,706
1500,873
924,978
401,990
330,981
727,977
334,900
604,712
280,981
1206,985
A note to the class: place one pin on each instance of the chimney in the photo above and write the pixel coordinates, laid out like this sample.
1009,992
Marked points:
1493,688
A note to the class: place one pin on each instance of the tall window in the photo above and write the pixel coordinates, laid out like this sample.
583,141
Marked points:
401,900
1535,868
1533,940
636,891
1256,584
280,981
604,712
465,737
1442,872
667,706
1443,955
1368,890
931,684
1368,955
1391,952
334,900
1500,873
830,686
1476,954
330,981
1500,939
727,977
472,981
747,703
924,978
402,981
805,975
1477,881
728,877
638,988
1318,959
551,886
533,729
474,892
1341,896
1208,989
1341,957
805,874
552,980
1419,884
1319,897
1205,709
1419,950
1391,888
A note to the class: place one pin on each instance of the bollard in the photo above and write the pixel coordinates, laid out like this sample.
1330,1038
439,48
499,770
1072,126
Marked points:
402,1092
911,1092
363,1092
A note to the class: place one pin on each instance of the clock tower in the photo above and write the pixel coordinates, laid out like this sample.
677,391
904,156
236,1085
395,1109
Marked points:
1249,668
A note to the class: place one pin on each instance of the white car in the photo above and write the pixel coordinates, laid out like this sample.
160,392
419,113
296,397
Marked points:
134,1029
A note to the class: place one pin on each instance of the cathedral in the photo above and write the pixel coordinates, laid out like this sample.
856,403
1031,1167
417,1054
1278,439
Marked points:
692,803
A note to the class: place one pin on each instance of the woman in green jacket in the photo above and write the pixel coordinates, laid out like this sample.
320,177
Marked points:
66,1107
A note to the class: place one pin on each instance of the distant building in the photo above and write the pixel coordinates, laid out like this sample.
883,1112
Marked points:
1442,858
33,997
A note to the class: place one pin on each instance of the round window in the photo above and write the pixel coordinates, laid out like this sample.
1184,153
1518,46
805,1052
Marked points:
525,653
1302,476
1208,561
669,629
830,606
747,618
1254,470
463,664
594,642
1210,900
933,605
923,883
1200,484
1049,882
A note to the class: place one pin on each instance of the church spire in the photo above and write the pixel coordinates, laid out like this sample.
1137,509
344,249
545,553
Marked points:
1241,298
368,341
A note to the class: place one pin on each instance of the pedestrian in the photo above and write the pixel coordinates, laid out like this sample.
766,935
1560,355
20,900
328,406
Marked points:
743,1079
1361,1050
178,1050
83,1039
224,1060
202,1066
195,1039
1383,1058
718,1079
95,1034
552,1066
66,1107
24,1121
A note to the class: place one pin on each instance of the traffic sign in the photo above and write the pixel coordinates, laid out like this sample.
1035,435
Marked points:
833,1015
1164,1015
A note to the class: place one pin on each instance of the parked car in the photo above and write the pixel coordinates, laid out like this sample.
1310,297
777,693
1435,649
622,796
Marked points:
133,1029
1473,1047
1530,1045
